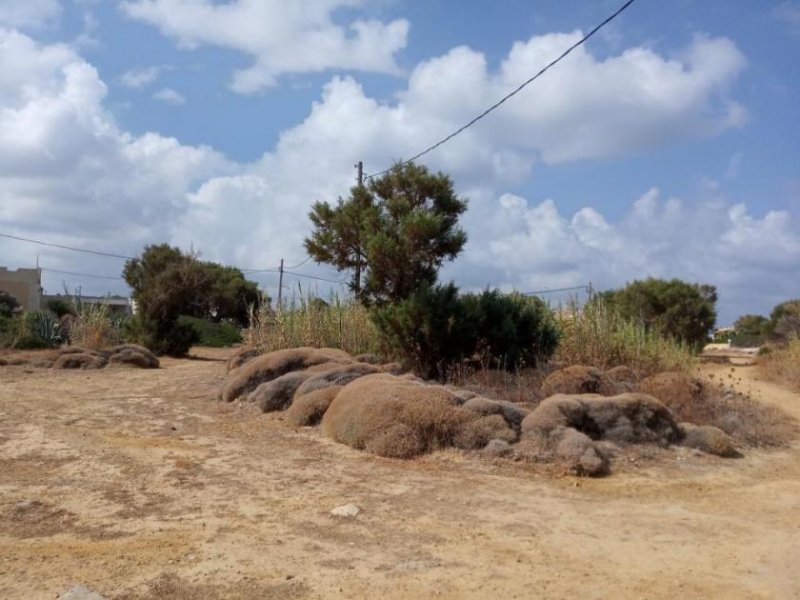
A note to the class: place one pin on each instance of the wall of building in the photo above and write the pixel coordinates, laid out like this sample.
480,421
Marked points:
24,284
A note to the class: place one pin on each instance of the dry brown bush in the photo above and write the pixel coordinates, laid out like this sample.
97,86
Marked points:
80,361
277,393
782,364
241,356
131,355
395,417
623,376
512,413
679,392
338,375
708,439
475,434
267,367
581,454
578,379
748,422
308,409
626,418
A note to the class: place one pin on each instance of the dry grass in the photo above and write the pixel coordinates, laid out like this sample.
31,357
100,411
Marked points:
596,336
782,365
310,321
748,422
93,327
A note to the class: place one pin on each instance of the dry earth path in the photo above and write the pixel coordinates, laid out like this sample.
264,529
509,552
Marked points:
138,484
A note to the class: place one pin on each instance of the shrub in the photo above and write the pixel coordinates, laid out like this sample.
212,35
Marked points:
512,330
8,305
215,335
60,307
435,329
683,311
430,331
171,338
597,335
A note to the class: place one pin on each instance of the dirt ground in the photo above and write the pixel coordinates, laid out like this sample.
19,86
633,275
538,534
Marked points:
138,484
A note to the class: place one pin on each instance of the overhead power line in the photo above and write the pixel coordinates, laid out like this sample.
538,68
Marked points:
553,63
62,247
314,277
80,274
557,290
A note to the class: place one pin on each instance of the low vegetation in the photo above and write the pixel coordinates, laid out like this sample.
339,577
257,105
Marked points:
314,322
782,364
598,335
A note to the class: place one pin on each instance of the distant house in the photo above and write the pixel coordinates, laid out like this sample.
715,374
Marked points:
23,284
117,305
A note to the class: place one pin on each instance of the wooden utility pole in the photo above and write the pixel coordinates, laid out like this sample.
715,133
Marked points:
280,286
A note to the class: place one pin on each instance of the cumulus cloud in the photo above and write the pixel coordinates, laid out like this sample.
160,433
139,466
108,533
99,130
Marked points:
140,77
280,37
69,174
67,171
29,13
754,261
169,96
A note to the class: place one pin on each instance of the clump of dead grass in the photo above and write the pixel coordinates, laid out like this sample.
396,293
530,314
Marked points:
395,417
782,364
747,421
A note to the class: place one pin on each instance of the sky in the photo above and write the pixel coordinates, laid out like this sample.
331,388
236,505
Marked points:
667,146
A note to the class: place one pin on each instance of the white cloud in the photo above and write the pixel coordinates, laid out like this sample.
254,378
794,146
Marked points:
280,37
754,261
68,174
789,13
169,96
29,13
140,77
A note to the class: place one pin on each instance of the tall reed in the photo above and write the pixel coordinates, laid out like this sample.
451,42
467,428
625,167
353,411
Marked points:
598,336
307,320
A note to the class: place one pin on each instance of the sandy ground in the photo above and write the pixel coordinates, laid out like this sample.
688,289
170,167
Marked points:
137,484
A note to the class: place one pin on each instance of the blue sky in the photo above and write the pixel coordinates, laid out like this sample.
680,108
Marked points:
668,146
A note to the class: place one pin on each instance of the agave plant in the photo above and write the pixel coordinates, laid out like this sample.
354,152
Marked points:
42,325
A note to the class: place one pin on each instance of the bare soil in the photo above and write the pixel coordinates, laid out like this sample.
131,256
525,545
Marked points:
139,484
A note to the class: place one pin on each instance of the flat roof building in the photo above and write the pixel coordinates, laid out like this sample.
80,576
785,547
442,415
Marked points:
23,284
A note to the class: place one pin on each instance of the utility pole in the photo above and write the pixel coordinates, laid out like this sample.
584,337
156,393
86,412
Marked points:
280,286
590,290
360,167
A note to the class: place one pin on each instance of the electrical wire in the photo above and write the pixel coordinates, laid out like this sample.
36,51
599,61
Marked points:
79,274
62,247
314,277
555,291
618,12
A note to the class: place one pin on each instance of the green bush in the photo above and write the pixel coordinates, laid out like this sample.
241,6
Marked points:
435,329
173,339
60,307
216,335
512,330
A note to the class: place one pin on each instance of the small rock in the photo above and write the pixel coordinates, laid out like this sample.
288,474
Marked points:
349,511
79,592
